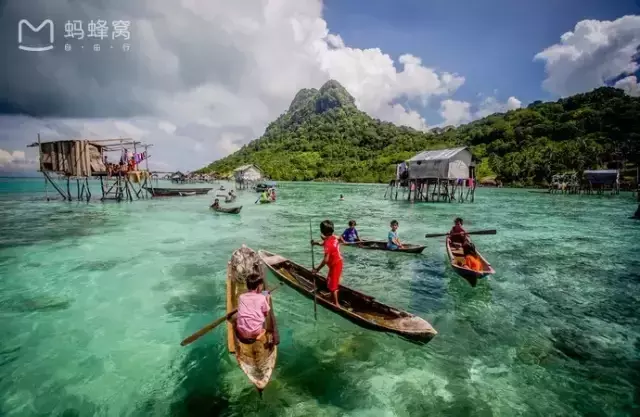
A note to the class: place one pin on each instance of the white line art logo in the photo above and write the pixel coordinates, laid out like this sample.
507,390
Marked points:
24,22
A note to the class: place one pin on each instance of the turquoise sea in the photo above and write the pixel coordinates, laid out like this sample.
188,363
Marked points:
95,299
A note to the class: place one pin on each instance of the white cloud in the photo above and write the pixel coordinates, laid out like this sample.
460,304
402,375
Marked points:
456,112
15,161
206,77
595,52
630,85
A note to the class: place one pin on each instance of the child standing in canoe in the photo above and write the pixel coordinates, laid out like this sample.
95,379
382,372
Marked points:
350,235
332,258
253,307
393,242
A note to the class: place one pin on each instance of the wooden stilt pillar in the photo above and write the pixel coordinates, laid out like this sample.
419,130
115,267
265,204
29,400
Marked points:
69,188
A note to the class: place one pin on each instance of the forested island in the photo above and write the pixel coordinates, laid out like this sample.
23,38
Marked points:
323,136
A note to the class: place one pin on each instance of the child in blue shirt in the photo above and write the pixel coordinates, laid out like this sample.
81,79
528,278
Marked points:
393,242
350,235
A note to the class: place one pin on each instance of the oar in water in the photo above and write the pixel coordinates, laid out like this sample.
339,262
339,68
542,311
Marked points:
313,265
206,329
477,232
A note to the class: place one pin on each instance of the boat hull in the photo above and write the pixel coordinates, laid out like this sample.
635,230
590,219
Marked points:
456,256
231,210
356,307
176,192
382,245
258,359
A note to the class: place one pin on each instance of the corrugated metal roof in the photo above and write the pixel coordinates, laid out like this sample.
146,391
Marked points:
601,171
437,155
245,167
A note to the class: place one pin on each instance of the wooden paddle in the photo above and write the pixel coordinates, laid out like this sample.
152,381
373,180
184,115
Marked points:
313,266
206,329
477,232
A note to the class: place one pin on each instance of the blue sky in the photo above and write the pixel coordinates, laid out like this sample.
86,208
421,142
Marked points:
491,43
202,97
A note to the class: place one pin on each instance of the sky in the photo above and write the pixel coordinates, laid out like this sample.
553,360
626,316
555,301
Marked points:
200,79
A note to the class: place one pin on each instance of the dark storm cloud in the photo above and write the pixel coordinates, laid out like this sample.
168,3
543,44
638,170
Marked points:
172,49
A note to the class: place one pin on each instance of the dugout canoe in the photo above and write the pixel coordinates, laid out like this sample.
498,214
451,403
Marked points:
257,359
356,307
382,245
175,192
456,257
230,210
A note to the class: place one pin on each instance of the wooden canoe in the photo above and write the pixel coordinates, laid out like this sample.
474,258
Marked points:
258,359
359,308
175,192
456,259
231,210
382,245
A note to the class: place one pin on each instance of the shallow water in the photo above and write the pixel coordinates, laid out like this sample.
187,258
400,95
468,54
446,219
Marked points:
95,298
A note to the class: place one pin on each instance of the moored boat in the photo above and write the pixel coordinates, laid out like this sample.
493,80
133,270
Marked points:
382,245
456,259
356,307
230,210
257,359
175,192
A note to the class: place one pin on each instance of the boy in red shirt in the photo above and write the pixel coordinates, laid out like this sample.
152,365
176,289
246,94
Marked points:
457,234
332,258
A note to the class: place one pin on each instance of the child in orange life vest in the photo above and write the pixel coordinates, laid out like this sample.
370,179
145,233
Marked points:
471,258
332,258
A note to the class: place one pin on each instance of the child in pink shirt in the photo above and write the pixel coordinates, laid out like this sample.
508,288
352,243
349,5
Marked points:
253,307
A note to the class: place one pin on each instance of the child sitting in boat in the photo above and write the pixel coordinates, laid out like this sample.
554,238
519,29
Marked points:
253,307
457,235
216,204
393,241
332,258
350,235
471,258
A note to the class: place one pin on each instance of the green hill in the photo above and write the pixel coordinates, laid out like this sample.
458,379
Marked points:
324,136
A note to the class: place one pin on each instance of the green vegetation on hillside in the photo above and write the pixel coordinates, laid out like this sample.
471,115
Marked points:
323,135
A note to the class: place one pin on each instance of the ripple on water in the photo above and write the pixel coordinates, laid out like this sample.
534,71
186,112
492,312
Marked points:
96,298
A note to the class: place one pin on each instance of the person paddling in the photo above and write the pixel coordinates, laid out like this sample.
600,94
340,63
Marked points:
332,258
457,234
216,204
253,307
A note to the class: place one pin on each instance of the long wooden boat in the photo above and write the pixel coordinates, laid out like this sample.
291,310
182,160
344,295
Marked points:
456,259
382,245
175,192
359,308
257,359
231,210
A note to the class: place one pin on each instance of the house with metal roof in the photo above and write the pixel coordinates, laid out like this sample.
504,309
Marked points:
247,173
443,163
436,175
